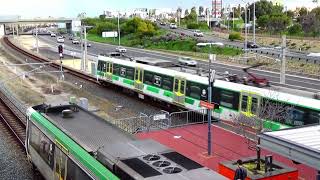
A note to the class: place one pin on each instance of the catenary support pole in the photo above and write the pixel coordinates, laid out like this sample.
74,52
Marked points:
283,61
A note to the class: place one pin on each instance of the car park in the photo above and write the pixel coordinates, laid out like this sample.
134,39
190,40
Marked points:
121,49
198,33
187,61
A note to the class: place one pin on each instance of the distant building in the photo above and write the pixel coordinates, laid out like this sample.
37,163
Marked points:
216,8
142,13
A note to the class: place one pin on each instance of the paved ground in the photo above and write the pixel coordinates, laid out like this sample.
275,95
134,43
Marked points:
192,142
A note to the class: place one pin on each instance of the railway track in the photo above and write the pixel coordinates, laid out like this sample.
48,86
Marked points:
13,119
71,71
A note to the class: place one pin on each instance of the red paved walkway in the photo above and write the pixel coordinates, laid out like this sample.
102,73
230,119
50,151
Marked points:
192,142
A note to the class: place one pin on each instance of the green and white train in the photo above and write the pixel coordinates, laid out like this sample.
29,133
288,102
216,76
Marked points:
187,90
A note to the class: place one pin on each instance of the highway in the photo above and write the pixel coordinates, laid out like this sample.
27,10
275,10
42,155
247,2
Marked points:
237,44
292,81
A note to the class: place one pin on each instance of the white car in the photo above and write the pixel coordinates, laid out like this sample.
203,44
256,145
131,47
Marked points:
75,41
53,35
121,49
60,40
173,26
197,33
187,61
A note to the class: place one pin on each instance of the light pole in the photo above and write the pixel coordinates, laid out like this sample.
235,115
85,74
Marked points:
119,26
254,21
37,40
283,61
210,85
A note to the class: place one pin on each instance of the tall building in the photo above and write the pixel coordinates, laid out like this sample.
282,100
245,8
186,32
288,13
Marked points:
216,8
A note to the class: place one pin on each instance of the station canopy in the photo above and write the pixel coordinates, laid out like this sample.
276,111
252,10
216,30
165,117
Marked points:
298,144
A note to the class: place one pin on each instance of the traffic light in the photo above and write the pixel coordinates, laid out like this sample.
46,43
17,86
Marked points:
60,49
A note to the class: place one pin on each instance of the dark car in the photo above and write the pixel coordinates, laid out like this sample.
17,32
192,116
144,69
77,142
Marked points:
162,23
252,45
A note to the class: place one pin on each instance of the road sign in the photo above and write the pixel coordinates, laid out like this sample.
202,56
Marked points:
206,105
110,34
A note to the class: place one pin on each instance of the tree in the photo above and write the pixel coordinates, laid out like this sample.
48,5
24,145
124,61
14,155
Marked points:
290,14
295,29
193,9
201,10
303,11
102,17
263,21
186,12
278,22
256,118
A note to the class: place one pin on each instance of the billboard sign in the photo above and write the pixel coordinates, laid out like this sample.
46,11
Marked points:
110,34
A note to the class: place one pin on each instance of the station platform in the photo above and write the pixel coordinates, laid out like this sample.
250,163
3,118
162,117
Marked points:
191,141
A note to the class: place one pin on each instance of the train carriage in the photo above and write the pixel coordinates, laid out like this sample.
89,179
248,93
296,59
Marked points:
67,142
187,90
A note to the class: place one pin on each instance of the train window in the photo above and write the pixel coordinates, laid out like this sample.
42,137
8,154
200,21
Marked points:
130,73
313,117
74,172
101,64
254,106
43,145
176,85
244,104
148,77
157,80
196,90
226,98
295,116
123,71
116,69
167,83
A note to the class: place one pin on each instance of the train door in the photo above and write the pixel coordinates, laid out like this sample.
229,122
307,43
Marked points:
138,78
60,165
109,70
249,103
179,90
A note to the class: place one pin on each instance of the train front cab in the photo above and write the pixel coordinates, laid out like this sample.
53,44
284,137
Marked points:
50,158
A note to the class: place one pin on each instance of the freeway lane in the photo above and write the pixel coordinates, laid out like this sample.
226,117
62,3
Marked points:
276,52
296,82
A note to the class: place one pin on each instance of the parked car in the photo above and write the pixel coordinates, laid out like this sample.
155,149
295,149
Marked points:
121,49
60,40
197,33
252,45
173,26
75,41
53,35
187,61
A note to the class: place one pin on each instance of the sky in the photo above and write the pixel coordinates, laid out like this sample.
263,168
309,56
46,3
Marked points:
71,8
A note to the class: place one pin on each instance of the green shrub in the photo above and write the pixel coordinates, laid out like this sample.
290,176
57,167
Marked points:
193,26
235,36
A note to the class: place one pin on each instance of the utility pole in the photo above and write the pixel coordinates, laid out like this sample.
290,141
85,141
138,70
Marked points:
283,61
81,40
119,26
210,85
85,50
37,40
254,21
245,30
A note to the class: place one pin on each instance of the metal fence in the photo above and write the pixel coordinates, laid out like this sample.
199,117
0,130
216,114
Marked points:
161,120
188,117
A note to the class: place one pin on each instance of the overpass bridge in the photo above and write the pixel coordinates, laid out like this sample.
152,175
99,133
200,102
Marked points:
15,23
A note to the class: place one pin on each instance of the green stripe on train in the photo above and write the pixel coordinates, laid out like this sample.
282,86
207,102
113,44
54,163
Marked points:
189,100
115,78
83,156
168,94
128,81
153,89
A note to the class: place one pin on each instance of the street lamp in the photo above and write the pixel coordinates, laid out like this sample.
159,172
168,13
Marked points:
254,21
